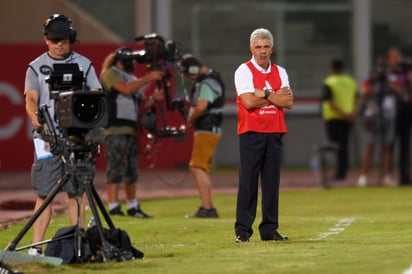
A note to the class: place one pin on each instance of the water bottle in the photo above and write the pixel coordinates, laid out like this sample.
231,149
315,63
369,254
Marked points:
92,222
315,167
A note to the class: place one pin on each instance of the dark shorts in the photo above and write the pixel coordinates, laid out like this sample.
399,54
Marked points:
383,130
46,173
121,158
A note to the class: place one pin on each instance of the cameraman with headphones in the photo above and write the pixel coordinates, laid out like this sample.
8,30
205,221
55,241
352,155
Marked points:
120,144
207,98
48,168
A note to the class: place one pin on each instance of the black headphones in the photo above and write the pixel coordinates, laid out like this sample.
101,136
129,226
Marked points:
125,56
60,17
190,64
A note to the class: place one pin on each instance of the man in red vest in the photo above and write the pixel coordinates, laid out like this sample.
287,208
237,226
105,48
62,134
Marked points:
262,93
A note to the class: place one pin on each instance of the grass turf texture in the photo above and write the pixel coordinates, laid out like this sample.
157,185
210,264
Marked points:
342,230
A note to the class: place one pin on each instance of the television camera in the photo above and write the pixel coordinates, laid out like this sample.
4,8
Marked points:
159,54
384,78
80,116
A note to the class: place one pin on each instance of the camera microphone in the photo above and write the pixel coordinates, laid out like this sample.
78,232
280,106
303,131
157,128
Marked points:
148,36
95,135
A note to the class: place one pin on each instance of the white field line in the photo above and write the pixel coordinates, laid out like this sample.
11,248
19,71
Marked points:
408,271
340,226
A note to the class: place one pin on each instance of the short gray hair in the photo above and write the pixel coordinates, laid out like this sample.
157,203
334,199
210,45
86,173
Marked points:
261,33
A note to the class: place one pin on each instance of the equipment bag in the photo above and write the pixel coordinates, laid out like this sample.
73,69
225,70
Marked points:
64,245
121,248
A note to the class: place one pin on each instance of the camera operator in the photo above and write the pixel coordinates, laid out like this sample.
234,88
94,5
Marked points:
207,98
120,144
48,168
379,93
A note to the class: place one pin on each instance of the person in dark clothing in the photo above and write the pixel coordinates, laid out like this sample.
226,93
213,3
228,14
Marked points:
339,110
399,78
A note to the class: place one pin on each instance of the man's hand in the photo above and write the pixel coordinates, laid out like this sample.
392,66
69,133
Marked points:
158,95
351,117
36,125
154,75
282,98
196,111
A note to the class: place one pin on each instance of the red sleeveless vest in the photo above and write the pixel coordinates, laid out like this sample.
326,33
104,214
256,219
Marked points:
267,119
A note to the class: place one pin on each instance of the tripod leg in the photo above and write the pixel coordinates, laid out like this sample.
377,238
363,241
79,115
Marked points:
78,233
12,245
100,204
108,250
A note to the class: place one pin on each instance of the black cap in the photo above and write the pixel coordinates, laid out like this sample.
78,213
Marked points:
58,29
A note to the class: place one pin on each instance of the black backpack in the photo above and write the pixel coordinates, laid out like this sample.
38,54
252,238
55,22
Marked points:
64,245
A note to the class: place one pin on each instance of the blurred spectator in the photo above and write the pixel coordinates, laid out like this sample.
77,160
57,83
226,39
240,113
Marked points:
339,109
378,119
399,78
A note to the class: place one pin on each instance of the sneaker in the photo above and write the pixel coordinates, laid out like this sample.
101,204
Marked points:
35,251
138,213
204,213
241,239
116,211
389,181
363,181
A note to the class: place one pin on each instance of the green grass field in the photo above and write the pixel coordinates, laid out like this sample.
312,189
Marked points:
342,230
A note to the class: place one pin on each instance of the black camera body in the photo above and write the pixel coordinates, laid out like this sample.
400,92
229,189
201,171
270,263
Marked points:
82,109
156,49
80,114
76,107
65,77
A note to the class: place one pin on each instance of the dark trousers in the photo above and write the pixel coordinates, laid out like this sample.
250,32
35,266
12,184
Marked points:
338,132
260,154
404,124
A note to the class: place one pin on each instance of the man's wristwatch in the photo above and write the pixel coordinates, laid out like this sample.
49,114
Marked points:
267,93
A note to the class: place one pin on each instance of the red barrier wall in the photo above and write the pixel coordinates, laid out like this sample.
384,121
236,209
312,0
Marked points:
16,147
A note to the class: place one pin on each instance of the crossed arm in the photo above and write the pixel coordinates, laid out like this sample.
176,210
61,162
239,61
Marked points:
282,98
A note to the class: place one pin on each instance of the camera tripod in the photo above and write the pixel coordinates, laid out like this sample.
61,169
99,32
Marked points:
79,167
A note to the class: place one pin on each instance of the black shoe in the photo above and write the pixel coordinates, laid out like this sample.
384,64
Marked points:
275,237
116,211
204,213
405,182
138,213
339,177
241,239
